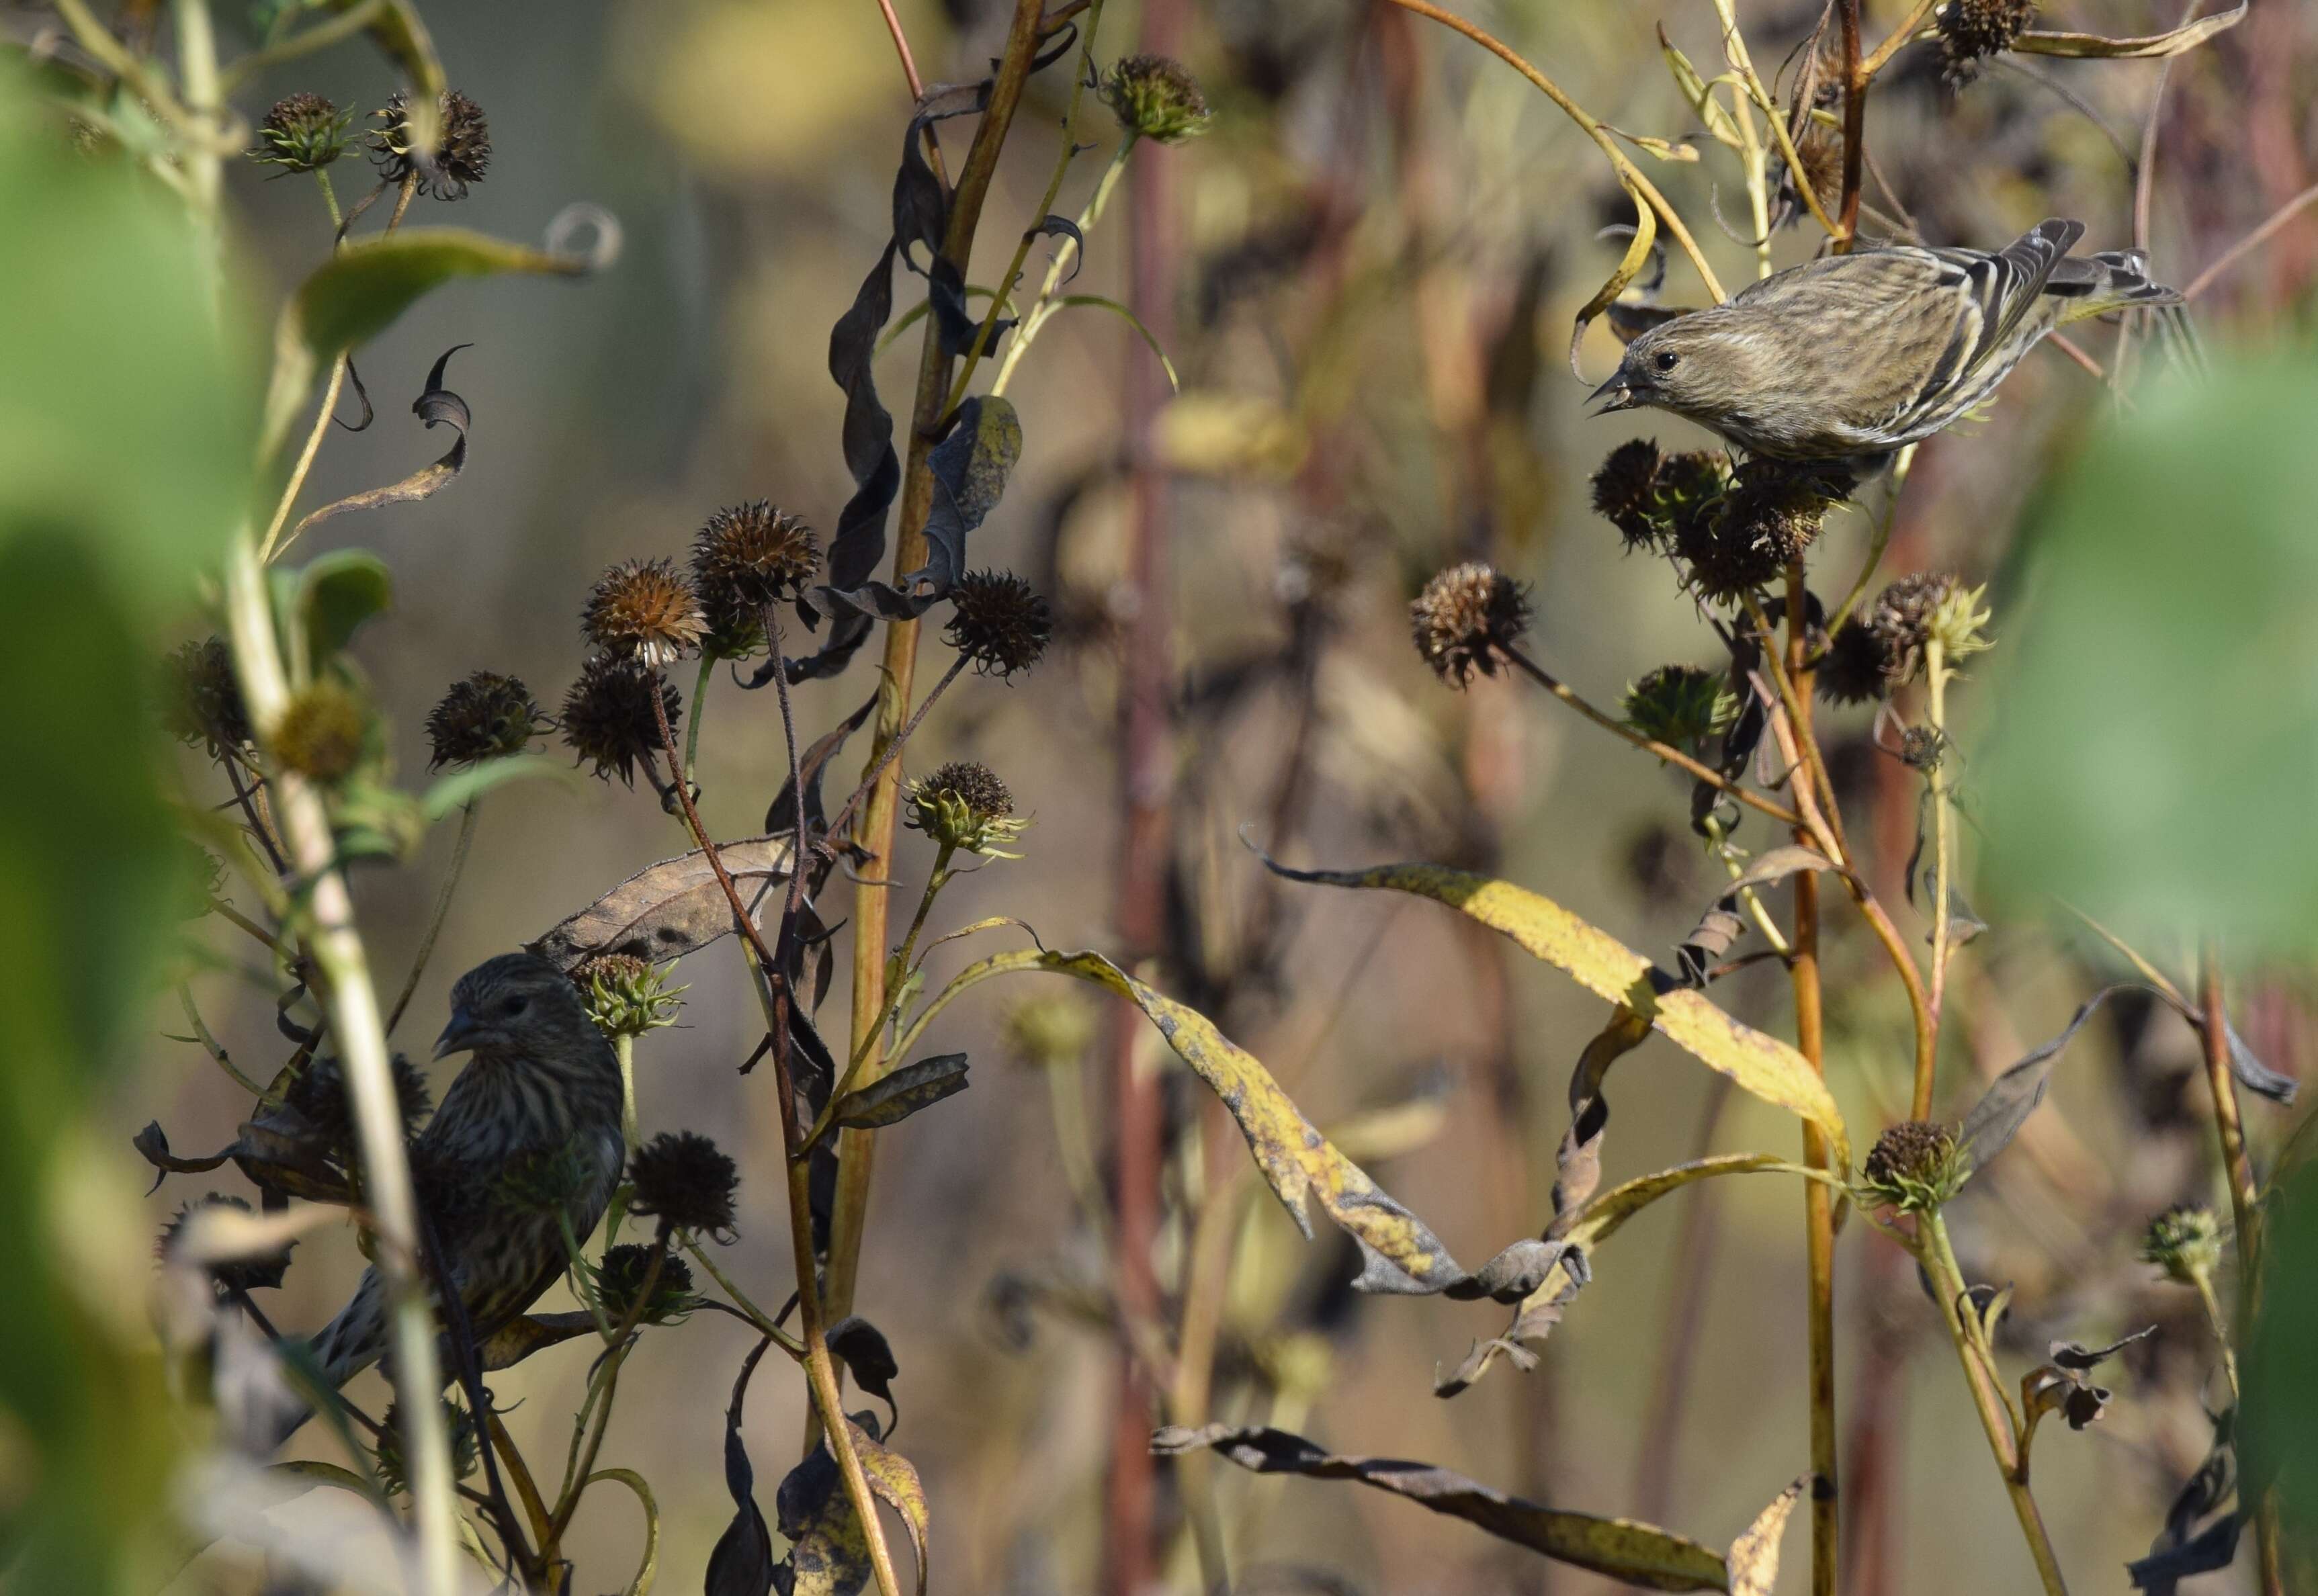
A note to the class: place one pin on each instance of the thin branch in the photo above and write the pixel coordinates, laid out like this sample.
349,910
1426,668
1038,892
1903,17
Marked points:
2251,241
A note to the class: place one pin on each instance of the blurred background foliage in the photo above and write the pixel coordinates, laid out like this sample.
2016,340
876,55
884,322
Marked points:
1377,256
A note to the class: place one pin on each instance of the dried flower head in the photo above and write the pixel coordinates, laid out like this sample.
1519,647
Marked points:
998,621
645,610
746,558
1922,748
255,1272
627,996
1902,620
324,731
302,133
1915,1167
1857,666
487,716
1625,492
681,1176
393,1458
1681,704
964,806
205,704
620,1278
2185,1241
1464,616
463,148
607,716
1971,30
1156,97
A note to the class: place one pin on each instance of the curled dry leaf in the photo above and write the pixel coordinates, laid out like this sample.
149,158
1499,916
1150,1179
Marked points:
742,1564
894,1097
2148,46
667,909
2013,1096
437,405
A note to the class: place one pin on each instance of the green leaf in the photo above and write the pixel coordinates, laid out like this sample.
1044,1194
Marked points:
1699,95
337,593
1101,303
464,786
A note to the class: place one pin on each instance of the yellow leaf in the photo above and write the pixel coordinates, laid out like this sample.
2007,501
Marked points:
1754,1555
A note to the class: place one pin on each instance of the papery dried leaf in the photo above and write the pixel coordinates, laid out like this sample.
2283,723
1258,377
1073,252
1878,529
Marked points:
667,909
862,1347
1721,926
2070,1355
742,1564
894,1096
812,766
1754,1558
829,1551
435,406
2177,1551
2254,1075
894,1481
1760,1064
2148,46
969,470
1639,1554
152,1143
1062,226
2049,1390
2013,1096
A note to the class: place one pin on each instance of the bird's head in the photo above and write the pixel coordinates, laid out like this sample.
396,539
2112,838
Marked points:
1705,365
515,1005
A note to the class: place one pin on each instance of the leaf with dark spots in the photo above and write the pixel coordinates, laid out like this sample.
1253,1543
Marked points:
969,469
829,1551
152,1144
894,1481
435,406
2070,1355
1754,1558
1639,1554
671,909
813,765
742,1563
2215,1547
1062,226
2013,1096
896,1096
869,1358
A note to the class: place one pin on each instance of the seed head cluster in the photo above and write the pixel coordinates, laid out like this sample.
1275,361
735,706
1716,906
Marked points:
645,610
1156,97
485,716
1857,666
1680,705
627,996
620,1279
964,806
1465,617
1915,1167
2185,1241
393,1458
1972,30
998,621
747,557
462,153
1902,619
683,1178
203,707
255,1272
607,716
302,133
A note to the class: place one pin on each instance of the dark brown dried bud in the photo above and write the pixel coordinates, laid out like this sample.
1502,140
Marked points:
1902,619
205,704
302,133
607,716
1857,666
962,805
1971,31
463,151
748,557
393,1458
255,1272
1625,492
487,716
643,610
324,732
998,621
1464,616
681,1176
620,1278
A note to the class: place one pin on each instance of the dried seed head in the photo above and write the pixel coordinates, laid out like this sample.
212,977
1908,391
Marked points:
302,133
487,716
964,806
1922,748
621,1277
1464,616
1902,620
461,152
626,996
643,610
746,558
1625,493
259,1271
1819,152
682,1176
205,704
607,716
1681,704
324,732
1857,666
393,1459
1971,30
2185,1241
998,621
319,1095
1157,98
1915,1167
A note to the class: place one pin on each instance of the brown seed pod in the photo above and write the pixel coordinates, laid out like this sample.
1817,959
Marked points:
461,155
486,716
998,621
607,716
643,610
747,558
1466,615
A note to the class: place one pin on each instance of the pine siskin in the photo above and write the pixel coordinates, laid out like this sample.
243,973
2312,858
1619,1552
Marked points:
1857,354
527,1138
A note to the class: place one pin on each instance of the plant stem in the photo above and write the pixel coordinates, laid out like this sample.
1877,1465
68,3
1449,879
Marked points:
1936,673
329,197
893,751
1855,124
1043,309
699,712
353,1007
467,812
623,1048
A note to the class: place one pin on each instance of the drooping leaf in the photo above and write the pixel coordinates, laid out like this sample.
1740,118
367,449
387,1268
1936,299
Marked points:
1721,926
1062,226
1629,266
435,406
1639,1554
2013,1096
1150,339
2180,1548
829,1549
2160,1574
969,470
894,1481
648,1569
335,594
742,1564
1699,95
152,1144
894,1096
2070,1355
867,1358
2148,46
667,909
813,765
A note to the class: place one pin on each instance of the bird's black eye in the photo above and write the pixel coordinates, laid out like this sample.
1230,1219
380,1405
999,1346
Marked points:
1665,360
514,1005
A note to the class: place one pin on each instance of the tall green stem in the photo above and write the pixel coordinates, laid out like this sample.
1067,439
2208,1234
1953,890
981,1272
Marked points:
1936,674
1042,309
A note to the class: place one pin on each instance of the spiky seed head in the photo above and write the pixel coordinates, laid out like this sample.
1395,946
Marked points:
204,707
461,155
1464,617
302,133
607,716
1819,152
259,1271
621,1277
1625,492
486,716
998,621
1971,30
682,1176
1915,1167
1857,667
393,1458
645,610
1902,619
1052,1030
1156,97
319,1095
746,558
2185,1241
1922,748
324,731
964,806
1681,704
627,996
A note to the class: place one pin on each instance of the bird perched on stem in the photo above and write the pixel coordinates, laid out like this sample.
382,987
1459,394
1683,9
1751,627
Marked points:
1852,356
526,1140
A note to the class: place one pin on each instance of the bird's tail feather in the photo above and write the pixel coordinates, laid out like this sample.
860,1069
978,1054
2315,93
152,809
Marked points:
2112,280
344,1347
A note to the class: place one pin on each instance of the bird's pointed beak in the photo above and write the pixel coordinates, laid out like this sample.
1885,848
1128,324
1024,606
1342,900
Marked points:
1616,394
457,1036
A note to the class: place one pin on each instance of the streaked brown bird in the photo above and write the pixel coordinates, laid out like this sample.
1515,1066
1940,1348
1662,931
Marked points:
535,1115
1852,356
